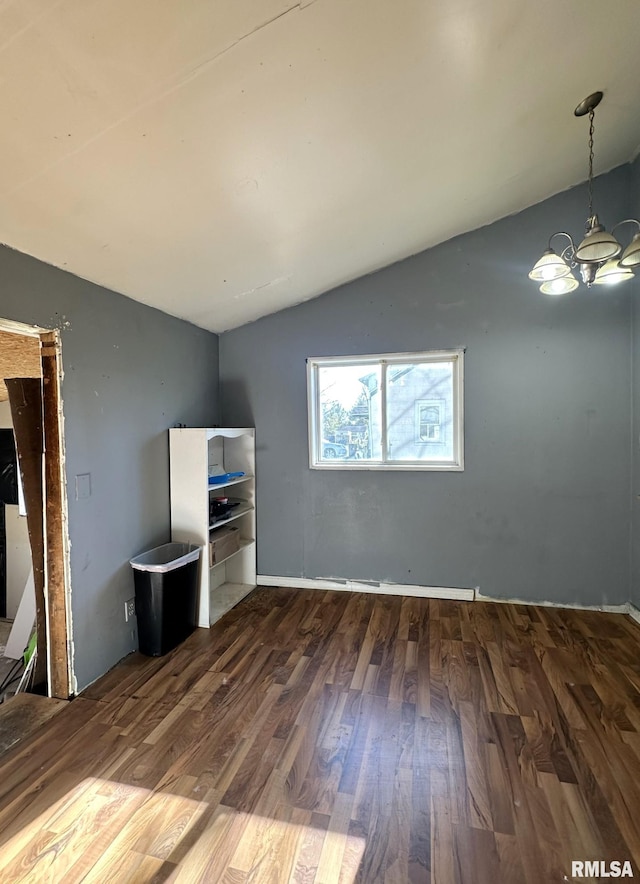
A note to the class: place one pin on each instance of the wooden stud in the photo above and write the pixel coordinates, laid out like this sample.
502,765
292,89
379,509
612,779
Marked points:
59,663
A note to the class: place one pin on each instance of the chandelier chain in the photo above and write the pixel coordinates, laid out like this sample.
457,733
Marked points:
591,115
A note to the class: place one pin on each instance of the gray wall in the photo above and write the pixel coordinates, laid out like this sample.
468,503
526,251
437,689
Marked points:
542,508
130,373
635,487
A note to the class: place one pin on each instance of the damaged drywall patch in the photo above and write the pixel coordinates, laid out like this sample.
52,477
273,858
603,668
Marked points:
258,288
59,323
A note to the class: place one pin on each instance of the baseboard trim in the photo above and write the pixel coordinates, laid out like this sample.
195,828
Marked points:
431,592
422,592
626,608
632,611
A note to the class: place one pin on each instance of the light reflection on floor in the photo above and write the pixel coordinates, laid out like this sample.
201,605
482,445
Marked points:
101,830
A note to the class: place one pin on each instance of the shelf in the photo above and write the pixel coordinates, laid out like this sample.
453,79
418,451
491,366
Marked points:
229,432
225,597
235,514
230,482
195,454
244,544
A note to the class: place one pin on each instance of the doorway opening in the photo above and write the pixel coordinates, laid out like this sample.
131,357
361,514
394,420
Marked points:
31,409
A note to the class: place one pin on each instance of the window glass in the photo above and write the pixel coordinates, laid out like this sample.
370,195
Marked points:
394,411
349,397
426,391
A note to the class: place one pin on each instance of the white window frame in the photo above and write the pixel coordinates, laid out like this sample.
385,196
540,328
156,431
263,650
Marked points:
456,356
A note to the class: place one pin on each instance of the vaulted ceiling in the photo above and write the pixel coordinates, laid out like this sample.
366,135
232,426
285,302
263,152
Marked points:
223,159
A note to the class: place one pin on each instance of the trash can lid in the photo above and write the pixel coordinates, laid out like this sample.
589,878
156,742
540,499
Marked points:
167,557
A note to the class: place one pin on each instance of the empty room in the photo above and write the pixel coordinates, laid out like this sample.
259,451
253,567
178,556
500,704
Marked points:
319,442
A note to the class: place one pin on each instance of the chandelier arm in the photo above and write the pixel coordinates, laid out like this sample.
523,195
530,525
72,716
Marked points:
626,221
571,245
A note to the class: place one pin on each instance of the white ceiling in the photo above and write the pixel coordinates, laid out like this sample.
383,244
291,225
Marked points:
223,159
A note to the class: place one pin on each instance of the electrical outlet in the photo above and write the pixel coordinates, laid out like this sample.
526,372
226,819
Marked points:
129,609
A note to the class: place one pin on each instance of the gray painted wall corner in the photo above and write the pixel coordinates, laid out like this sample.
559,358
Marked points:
130,373
541,510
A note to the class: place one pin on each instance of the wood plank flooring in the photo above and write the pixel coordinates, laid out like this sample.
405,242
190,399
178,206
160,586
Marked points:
23,715
332,738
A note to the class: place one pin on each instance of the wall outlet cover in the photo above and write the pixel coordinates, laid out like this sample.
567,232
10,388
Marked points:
83,486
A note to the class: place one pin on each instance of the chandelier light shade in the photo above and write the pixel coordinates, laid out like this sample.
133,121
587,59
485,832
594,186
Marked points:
598,245
550,266
560,286
631,255
611,273
599,258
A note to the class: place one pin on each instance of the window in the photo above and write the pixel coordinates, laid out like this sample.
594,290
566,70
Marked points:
429,419
400,411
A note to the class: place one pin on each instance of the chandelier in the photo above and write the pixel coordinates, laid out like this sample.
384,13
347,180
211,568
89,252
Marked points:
599,258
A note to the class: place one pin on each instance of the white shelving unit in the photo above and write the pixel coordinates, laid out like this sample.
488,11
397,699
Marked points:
196,454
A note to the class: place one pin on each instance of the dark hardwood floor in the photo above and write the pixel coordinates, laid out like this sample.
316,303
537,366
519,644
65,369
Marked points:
331,738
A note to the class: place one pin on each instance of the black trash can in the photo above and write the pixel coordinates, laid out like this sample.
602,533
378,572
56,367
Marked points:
166,584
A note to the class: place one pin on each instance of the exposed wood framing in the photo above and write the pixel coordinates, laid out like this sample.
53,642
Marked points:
19,358
30,363
55,503
25,399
